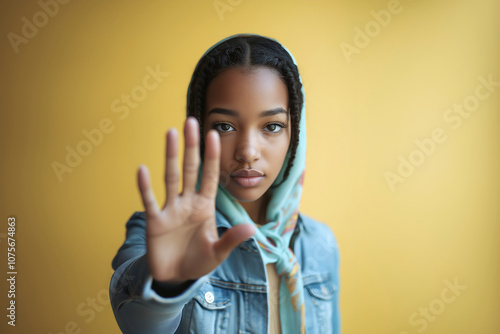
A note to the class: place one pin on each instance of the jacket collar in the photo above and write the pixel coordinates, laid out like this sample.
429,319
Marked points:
223,224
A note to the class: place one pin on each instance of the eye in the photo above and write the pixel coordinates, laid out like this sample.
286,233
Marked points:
275,127
222,127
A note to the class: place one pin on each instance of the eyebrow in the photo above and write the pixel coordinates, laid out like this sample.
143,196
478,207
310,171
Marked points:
234,113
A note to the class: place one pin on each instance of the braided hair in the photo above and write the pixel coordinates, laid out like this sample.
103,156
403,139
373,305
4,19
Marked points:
246,52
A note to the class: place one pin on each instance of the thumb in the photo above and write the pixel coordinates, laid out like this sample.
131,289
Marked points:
232,238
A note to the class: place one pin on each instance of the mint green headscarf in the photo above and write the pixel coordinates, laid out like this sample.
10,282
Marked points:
281,219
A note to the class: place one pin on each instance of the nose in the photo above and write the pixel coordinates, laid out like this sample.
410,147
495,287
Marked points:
249,148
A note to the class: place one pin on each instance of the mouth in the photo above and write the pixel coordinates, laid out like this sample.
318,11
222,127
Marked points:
247,177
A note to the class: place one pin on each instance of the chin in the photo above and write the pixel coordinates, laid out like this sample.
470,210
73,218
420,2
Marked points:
247,194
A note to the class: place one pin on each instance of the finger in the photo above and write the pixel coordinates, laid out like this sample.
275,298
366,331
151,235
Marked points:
172,166
191,155
232,238
211,165
147,194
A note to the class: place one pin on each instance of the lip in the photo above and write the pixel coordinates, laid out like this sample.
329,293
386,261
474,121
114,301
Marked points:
247,173
247,177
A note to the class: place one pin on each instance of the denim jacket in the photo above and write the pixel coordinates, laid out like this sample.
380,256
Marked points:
233,298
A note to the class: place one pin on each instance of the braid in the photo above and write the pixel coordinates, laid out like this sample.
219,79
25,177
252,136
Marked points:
291,77
246,52
197,98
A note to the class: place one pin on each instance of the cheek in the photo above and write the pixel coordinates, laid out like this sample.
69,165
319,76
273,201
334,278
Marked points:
227,163
284,149
276,151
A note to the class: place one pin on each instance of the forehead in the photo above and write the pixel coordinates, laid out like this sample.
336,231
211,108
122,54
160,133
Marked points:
247,91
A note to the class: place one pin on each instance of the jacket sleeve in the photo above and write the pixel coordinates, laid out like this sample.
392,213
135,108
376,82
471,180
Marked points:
336,283
136,305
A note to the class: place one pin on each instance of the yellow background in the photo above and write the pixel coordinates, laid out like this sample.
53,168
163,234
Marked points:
397,247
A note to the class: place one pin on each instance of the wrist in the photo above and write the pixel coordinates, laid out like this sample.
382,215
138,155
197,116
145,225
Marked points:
170,288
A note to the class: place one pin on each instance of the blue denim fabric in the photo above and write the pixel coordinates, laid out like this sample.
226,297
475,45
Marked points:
234,297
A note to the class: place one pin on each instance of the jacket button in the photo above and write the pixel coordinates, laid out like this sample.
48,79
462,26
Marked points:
209,297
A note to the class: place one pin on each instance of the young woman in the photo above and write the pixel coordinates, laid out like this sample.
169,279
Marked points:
231,253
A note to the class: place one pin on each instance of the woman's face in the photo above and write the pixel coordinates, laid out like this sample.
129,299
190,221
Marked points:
249,109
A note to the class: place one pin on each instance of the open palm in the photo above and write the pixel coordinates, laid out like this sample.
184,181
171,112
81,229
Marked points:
181,238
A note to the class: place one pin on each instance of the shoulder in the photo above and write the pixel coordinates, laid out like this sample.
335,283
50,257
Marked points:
317,250
317,230
136,221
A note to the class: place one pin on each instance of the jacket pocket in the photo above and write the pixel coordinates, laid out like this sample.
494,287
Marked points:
321,290
211,310
320,302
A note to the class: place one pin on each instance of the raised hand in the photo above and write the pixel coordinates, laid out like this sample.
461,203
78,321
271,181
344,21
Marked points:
181,238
